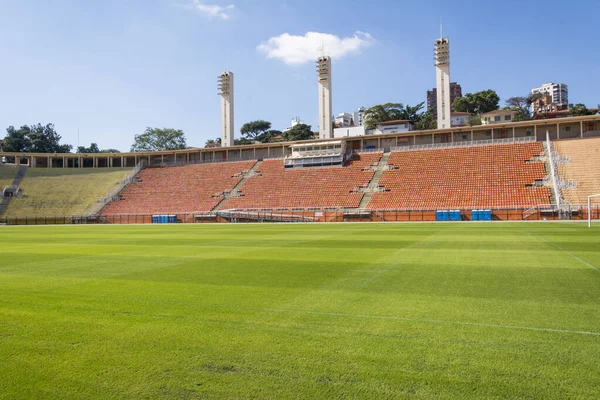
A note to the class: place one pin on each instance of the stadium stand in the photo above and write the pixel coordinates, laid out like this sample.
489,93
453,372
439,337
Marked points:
50,192
494,176
7,174
332,187
582,168
182,189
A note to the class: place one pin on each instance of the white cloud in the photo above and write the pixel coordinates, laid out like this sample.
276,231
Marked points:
210,10
296,50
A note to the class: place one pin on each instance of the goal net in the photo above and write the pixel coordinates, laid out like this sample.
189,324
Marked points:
592,212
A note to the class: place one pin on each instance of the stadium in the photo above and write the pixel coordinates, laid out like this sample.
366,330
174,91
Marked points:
532,170
458,262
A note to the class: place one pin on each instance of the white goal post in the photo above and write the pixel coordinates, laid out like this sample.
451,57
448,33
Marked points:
590,209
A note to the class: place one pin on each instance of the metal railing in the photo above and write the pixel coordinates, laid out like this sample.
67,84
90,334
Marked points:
474,143
320,215
114,192
199,162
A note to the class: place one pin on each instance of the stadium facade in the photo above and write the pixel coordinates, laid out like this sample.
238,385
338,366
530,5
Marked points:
563,128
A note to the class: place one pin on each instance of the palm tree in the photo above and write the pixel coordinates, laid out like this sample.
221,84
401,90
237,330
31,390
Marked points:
382,113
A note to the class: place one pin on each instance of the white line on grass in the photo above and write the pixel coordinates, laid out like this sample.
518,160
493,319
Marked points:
338,314
581,260
381,272
378,274
431,321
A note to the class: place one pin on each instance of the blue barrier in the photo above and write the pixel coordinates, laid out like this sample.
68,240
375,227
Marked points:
164,219
455,215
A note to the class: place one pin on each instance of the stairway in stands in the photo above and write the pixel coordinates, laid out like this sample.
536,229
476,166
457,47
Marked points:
235,191
14,188
373,186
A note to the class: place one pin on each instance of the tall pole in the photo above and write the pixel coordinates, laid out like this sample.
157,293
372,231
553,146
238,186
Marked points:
225,87
442,68
325,101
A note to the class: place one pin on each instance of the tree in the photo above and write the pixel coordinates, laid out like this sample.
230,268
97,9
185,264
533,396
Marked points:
88,150
34,139
270,135
382,113
299,132
477,103
156,139
16,140
255,130
474,120
94,149
413,113
579,110
211,143
241,142
521,105
426,121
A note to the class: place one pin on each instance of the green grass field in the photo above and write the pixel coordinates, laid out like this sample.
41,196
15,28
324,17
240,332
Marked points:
301,311
63,191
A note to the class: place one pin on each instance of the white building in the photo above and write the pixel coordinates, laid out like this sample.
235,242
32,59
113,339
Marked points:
359,116
442,69
498,117
225,87
295,121
325,101
356,118
350,131
460,119
397,126
344,120
558,91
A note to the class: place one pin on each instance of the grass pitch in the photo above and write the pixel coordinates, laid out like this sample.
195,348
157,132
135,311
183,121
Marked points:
300,311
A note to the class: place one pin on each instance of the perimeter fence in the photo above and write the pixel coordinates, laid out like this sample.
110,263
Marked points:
539,213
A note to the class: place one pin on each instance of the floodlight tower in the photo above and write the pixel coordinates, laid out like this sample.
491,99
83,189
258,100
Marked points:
225,86
325,106
442,68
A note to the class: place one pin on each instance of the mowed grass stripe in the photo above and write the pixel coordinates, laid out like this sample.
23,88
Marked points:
275,311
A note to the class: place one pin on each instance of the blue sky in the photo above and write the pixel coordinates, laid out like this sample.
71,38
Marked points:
110,68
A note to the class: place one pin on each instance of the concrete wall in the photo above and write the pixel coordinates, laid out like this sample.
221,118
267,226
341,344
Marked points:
349,132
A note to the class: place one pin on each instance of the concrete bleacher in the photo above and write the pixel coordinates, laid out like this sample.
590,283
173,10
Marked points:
60,192
495,176
7,174
280,188
582,169
179,190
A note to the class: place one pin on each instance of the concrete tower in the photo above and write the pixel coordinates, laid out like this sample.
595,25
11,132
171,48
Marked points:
225,86
442,69
325,107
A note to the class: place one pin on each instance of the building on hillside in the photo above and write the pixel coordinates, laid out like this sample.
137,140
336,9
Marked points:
558,92
295,121
359,116
498,117
344,120
455,93
565,113
356,118
460,119
544,104
396,126
350,131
